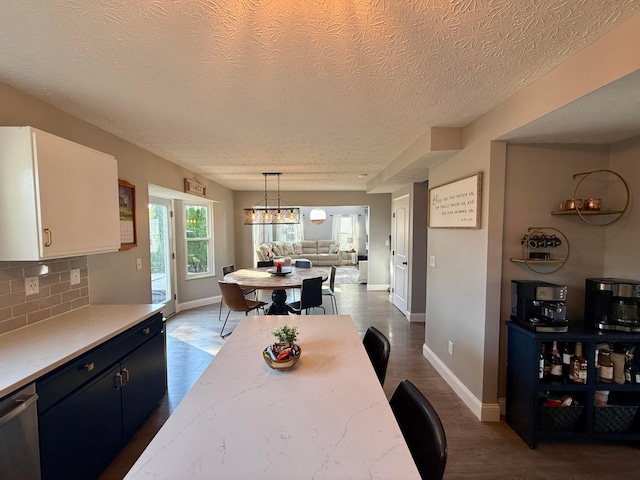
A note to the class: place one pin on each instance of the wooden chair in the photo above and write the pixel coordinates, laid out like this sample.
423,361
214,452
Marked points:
235,301
422,430
378,348
266,263
310,296
331,289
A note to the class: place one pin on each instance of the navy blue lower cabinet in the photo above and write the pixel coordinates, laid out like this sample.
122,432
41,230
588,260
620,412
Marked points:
93,405
527,411
83,432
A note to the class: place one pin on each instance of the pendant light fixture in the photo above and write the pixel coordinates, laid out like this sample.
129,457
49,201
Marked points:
317,216
265,215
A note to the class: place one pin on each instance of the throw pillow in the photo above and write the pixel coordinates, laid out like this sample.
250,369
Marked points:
264,251
276,249
333,248
288,249
297,248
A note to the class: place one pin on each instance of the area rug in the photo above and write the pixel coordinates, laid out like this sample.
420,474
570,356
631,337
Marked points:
344,274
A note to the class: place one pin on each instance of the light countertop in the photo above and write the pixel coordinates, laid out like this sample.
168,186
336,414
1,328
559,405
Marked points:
327,418
32,351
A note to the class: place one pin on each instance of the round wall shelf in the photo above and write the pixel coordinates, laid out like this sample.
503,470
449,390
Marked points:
548,264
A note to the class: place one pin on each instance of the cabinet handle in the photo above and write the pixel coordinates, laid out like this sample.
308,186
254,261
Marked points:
146,330
49,238
90,366
117,381
125,376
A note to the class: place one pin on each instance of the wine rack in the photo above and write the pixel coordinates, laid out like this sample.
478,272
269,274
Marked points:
530,420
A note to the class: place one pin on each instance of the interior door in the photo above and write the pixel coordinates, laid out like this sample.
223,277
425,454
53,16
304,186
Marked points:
162,253
400,247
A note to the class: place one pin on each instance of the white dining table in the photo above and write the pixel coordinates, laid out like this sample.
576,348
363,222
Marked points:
326,418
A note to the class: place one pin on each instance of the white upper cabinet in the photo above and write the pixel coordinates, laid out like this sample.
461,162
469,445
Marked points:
57,198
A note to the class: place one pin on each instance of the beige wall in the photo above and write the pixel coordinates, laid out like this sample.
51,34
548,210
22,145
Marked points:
464,290
622,255
379,225
113,277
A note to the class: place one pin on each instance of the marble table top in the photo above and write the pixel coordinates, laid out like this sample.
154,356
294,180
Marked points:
260,279
326,418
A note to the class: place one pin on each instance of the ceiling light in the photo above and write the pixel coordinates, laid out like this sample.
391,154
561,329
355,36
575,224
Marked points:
317,216
265,215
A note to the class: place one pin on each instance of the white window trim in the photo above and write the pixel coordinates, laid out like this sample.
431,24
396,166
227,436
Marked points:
212,263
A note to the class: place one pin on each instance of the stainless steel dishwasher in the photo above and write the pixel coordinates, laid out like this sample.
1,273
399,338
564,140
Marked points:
19,449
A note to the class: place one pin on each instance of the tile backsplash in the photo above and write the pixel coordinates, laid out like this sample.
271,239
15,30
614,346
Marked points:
56,294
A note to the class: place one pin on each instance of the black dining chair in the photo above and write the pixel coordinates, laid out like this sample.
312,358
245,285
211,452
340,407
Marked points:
378,348
330,290
302,263
310,296
235,301
266,263
422,430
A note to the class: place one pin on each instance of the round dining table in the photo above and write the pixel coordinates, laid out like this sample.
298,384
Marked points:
269,279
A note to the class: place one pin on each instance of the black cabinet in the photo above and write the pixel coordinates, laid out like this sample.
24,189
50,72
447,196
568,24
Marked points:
90,407
534,421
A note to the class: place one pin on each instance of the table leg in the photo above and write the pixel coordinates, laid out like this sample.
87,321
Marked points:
279,305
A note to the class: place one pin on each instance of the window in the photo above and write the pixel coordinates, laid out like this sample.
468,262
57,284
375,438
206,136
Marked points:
345,232
199,240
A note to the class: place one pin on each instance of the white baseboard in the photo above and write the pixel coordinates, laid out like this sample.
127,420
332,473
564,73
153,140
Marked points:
201,302
416,317
485,412
377,287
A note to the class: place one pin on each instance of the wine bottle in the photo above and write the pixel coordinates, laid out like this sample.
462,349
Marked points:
578,369
541,364
555,373
566,360
605,369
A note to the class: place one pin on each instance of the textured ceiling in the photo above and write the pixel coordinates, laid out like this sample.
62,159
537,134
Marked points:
323,91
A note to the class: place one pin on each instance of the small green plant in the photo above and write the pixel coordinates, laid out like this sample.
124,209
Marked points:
286,333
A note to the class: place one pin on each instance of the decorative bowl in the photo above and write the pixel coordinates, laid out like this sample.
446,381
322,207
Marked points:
289,353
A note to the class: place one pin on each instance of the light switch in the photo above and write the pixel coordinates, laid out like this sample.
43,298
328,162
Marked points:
432,260
138,264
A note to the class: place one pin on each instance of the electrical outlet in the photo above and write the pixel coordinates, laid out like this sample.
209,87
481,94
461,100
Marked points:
31,285
75,276
450,348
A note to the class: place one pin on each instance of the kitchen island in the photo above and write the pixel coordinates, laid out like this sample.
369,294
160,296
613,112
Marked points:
327,417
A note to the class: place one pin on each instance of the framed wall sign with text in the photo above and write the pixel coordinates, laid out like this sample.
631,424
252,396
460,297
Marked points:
456,204
127,198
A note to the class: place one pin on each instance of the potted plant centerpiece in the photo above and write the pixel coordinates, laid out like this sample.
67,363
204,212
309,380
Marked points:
285,353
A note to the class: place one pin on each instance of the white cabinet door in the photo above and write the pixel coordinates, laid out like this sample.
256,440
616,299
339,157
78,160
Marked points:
63,197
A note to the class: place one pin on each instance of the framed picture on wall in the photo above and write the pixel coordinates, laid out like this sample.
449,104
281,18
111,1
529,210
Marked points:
127,199
456,204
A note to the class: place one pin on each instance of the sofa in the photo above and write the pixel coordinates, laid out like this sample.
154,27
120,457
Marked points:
319,252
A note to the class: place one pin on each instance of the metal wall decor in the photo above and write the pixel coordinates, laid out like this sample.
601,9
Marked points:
266,215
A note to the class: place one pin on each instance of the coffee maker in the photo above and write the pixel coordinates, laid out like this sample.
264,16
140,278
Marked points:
540,306
612,304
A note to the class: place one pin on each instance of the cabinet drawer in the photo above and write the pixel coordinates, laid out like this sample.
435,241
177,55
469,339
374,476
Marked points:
72,375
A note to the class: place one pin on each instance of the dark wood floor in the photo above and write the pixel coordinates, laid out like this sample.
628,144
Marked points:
477,450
